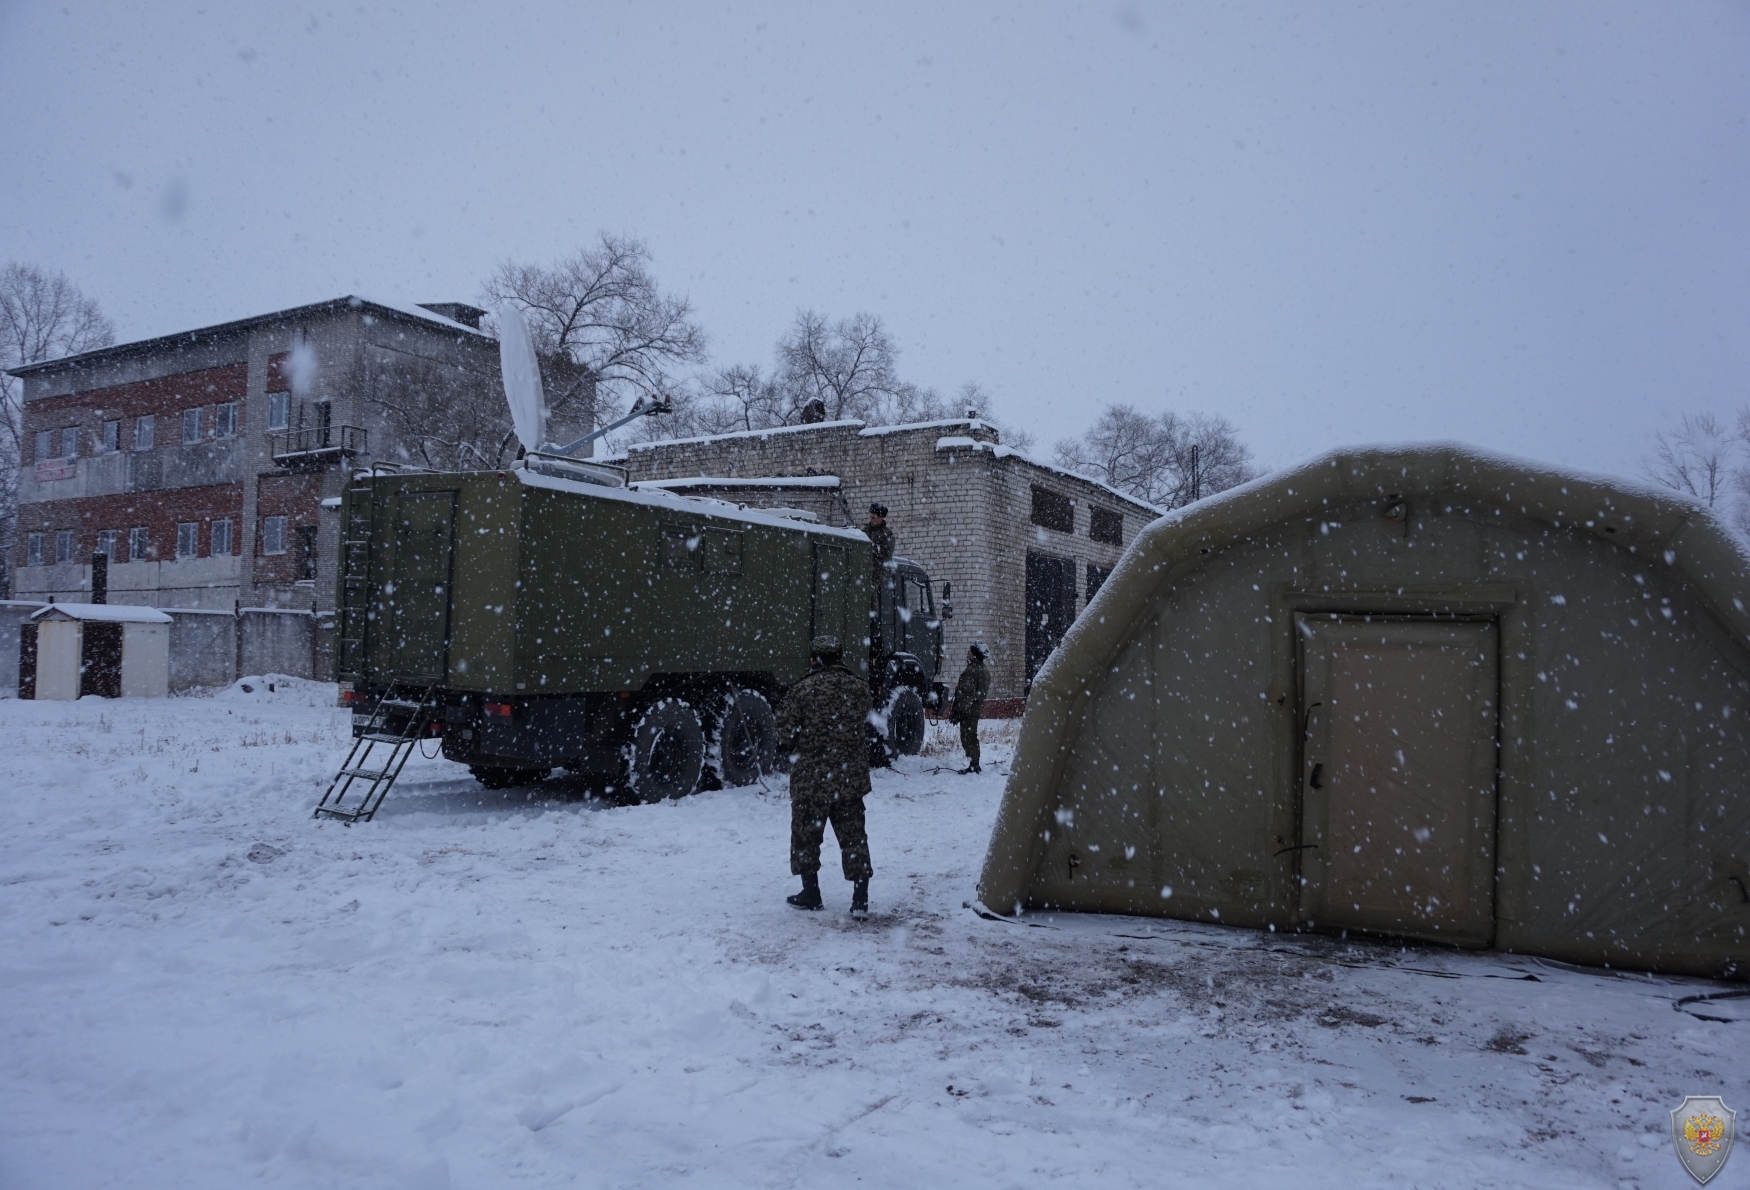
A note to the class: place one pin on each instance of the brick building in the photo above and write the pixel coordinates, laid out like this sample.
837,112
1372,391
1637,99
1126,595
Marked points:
1025,545
204,465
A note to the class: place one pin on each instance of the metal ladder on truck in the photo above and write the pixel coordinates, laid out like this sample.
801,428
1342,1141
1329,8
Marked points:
398,719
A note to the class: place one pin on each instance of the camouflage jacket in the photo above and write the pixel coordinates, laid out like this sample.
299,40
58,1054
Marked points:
821,725
970,692
882,538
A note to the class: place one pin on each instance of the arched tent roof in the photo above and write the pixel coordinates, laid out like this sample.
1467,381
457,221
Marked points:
1175,641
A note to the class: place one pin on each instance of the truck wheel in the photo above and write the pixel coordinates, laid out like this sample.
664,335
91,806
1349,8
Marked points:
747,738
668,751
905,722
493,778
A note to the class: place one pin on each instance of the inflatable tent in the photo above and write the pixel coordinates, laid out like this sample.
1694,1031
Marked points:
1422,692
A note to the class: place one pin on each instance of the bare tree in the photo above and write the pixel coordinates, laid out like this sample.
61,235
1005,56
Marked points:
440,415
849,366
1167,460
602,311
42,317
1697,458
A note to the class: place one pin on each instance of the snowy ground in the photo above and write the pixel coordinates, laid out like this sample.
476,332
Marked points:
201,987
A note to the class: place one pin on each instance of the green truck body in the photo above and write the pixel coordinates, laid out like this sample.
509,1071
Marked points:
578,623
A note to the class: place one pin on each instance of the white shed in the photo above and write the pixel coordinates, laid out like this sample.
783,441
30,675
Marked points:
68,650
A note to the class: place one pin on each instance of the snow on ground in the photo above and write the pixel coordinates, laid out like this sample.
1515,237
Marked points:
201,987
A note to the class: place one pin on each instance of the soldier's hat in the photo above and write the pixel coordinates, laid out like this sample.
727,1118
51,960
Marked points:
825,646
978,647
879,510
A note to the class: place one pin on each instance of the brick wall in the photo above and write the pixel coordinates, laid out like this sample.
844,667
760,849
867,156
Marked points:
158,512
297,496
164,397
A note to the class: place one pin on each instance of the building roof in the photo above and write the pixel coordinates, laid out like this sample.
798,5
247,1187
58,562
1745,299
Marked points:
111,612
409,313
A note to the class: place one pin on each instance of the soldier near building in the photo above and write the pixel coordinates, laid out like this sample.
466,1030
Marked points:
821,726
882,537
969,695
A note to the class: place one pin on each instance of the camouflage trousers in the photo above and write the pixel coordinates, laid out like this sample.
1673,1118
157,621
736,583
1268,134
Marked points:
808,819
969,739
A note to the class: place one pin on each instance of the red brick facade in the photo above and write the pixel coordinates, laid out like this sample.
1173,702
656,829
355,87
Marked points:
297,496
159,513
165,398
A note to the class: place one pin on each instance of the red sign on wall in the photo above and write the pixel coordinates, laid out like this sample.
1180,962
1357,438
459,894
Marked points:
54,469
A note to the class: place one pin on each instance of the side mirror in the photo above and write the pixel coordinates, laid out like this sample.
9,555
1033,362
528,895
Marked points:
947,600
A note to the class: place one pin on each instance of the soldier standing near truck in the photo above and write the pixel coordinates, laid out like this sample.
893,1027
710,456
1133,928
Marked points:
880,536
969,696
821,727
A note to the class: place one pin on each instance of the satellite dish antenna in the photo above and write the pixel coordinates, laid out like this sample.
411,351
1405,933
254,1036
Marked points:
522,379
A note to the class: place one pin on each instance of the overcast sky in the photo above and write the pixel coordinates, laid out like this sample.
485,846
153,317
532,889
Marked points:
1519,225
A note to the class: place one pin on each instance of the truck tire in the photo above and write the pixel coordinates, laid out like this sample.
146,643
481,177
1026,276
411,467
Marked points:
668,751
905,722
747,738
498,778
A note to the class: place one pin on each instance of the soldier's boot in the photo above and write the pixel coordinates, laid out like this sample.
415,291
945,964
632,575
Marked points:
860,897
971,768
809,897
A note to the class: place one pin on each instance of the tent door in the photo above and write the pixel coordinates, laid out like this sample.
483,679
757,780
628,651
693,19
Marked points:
1397,776
100,669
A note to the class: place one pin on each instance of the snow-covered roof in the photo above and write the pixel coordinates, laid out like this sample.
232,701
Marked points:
766,433
997,450
725,481
180,338
971,423
111,612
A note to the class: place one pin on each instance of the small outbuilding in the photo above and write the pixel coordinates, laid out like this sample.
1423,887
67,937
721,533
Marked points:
68,650
1423,692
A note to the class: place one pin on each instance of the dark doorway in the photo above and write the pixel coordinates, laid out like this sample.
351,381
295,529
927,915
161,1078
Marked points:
306,552
1051,606
100,668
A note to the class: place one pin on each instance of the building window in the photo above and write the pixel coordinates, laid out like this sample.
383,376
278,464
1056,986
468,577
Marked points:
279,410
1106,525
191,425
144,427
112,436
273,535
139,544
1054,510
70,442
225,420
33,550
1096,580
307,551
45,445
107,540
64,546
221,539
188,539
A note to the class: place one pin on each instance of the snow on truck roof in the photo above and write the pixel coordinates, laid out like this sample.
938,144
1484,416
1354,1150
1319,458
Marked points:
662,498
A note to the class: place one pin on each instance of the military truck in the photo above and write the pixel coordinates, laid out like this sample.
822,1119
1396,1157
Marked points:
551,616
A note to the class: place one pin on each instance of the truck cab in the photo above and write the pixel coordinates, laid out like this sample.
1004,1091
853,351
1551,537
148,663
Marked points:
905,653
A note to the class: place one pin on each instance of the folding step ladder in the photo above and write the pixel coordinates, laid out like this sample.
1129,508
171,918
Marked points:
398,719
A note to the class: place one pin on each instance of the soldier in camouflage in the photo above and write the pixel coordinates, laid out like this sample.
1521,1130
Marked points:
880,536
969,696
821,726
